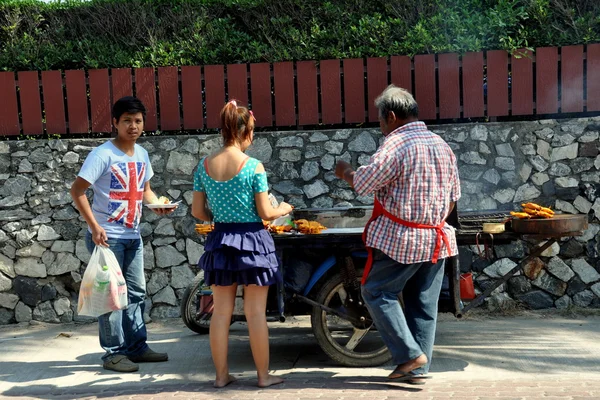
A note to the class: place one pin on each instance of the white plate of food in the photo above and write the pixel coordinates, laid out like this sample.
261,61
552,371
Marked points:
168,205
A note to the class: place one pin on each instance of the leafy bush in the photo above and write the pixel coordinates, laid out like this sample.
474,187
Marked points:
121,33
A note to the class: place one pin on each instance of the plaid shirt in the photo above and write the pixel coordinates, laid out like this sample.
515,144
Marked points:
415,177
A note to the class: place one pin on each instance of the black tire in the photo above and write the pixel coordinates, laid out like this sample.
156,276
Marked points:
369,352
197,322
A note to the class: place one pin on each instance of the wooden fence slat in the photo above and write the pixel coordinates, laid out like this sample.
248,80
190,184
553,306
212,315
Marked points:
54,102
145,90
546,80
308,100
260,81
214,86
522,83
449,85
9,111
121,83
31,107
354,90
593,77
401,72
571,95
77,102
191,97
168,97
331,92
497,83
377,81
285,99
472,76
425,86
100,100
237,83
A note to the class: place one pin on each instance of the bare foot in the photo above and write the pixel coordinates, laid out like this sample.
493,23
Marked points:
221,383
270,380
408,366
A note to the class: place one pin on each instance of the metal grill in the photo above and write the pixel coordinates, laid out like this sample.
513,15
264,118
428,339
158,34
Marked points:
471,222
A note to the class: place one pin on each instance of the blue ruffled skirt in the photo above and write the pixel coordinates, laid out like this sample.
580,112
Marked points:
242,253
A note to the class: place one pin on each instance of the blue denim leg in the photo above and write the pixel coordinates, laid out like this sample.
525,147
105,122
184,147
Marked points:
407,334
124,331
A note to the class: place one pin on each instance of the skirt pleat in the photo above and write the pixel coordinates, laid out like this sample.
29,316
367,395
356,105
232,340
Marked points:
242,253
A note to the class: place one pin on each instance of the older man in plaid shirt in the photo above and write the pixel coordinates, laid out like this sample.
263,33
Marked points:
415,180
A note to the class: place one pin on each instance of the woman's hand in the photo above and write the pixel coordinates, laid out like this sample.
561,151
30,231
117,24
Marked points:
285,208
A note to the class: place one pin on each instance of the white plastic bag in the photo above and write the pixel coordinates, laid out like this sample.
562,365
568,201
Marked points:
103,288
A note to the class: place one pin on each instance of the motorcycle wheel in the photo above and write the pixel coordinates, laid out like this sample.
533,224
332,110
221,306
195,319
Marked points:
339,339
194,316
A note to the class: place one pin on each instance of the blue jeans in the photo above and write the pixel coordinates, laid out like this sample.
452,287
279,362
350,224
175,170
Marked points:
411,332
124,332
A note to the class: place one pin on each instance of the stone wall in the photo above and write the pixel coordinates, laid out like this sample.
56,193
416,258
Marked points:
43,256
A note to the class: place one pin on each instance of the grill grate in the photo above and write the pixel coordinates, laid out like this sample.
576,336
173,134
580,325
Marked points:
471,222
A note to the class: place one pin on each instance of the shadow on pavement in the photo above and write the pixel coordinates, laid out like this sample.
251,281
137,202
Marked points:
486,348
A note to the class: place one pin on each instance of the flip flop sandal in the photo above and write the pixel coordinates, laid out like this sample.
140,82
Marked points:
406,376
417,381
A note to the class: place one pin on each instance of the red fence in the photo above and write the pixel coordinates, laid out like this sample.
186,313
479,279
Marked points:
293,94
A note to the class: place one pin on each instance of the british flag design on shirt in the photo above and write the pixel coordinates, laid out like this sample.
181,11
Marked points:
126,193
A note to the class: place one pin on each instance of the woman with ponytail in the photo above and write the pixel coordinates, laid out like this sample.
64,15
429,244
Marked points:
230,188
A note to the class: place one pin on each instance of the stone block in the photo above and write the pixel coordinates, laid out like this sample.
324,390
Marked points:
585,271
30,267
194,251
571,249
533,268
364,142
563,302
584,298
181,277
537,300
550,284
316,189
158,281
23,313
8,300
518,285
500,268
514,250
165,296
44,312
168,256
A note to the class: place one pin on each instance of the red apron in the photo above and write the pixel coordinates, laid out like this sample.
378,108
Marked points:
378,210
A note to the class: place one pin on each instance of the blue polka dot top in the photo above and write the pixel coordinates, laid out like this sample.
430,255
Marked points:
233,200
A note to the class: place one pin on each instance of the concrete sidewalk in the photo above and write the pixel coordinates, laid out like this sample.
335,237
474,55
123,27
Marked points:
528,356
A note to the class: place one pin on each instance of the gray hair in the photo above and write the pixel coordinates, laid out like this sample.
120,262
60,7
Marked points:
398,100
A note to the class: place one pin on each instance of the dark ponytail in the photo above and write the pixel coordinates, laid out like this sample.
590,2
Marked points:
236,123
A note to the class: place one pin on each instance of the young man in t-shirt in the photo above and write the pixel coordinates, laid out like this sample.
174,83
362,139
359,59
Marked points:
119,172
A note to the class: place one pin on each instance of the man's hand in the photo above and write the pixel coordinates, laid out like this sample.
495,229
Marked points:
342,168
99,236
164,211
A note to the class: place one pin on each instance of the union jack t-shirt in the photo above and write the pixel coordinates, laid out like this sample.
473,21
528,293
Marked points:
415,177
118,183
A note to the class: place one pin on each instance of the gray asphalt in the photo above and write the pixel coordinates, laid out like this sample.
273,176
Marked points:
44,359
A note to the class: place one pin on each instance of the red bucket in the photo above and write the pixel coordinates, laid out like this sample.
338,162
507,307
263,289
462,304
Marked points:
467,290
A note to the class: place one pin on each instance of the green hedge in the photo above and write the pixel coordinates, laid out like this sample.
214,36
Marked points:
124,33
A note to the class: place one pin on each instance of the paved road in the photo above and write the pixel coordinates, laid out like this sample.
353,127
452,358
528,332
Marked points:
530,356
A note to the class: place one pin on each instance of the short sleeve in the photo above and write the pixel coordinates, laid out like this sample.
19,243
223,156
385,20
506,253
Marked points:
93,167
198,185
455,191
259,182
149,170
